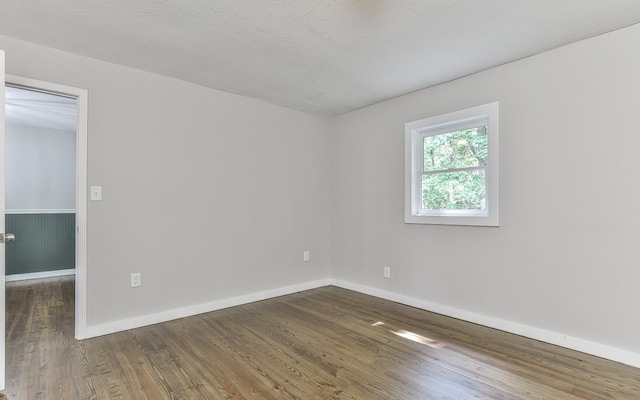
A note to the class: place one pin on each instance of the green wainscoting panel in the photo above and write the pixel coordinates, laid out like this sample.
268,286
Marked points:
44,242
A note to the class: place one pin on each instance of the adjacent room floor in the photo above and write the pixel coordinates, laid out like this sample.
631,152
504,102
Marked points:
327,343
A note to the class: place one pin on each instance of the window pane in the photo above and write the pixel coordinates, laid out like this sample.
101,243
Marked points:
464,190
460,149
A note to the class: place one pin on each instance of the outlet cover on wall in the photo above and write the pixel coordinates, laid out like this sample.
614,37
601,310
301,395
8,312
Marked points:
387,272
305,256
136,280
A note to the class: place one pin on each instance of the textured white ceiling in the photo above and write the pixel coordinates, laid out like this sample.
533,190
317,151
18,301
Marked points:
321,56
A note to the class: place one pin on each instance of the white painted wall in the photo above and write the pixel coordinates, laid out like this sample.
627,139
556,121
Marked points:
41,170
565,258
209,195
213,196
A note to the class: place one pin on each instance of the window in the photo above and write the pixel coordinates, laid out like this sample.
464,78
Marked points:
452,168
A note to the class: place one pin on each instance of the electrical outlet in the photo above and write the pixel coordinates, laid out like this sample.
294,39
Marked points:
387,272
305,256
136,280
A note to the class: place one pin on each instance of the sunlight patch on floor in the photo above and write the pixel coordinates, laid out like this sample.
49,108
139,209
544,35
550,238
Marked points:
414,337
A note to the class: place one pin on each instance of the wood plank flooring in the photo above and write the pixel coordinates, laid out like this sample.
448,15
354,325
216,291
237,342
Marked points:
327,343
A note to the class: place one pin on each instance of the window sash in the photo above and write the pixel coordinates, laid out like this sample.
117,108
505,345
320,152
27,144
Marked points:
419,172
419,210
449,170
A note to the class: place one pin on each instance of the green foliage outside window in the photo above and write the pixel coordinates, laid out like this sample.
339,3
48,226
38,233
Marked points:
454,170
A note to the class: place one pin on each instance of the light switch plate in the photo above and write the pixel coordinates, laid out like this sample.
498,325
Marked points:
96,193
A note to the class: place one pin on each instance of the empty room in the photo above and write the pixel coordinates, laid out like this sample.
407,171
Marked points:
358,199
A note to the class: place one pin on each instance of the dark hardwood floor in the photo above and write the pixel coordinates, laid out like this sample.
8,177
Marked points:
326,343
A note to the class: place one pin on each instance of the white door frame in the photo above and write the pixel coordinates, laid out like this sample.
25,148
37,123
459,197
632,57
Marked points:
2,226
81,188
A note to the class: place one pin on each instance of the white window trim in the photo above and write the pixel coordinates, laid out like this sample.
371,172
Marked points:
462,119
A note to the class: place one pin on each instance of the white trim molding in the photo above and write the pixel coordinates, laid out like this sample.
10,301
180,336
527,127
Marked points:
39,275
484,118
555,338
82,97
38,211
137,322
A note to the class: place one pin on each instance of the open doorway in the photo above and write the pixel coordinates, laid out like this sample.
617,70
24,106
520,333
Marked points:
46,159
40,210
40,183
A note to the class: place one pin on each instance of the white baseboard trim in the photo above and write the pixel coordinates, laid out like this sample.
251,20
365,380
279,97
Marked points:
39,275
574,343
137,322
